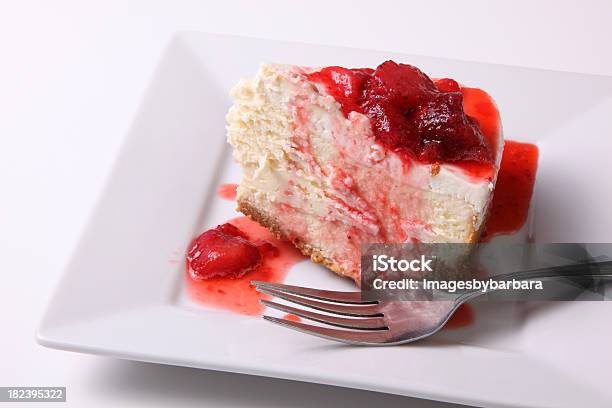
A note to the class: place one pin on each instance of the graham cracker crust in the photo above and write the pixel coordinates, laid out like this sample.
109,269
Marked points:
314,253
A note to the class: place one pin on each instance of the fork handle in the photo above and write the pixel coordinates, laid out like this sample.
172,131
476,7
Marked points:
567,271
585,269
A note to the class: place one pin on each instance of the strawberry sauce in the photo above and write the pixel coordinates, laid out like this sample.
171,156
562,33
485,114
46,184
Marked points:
512,195
415,117
463,316
227,191
229,287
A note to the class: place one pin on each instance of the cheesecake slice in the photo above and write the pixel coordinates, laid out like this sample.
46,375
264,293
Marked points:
334,158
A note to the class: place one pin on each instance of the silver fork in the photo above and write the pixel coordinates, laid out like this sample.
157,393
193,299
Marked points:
372,322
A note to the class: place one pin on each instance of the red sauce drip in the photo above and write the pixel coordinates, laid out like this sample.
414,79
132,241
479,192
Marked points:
513,190
292,317
227,191
236,293
464,316
411,114
479,106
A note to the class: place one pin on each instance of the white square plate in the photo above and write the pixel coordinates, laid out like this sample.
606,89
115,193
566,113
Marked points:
122,293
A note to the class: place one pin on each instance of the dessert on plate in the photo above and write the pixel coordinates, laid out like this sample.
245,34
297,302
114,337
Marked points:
334,158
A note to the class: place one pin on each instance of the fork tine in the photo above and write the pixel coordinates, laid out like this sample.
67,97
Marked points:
327,295
364,337
360,310
370,323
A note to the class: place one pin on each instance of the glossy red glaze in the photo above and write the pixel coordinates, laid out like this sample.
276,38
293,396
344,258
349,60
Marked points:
412,115
292,317
227,191
237,294
513,191
223,251
464,316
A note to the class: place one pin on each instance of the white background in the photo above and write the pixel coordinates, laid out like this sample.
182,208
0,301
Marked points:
72,75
